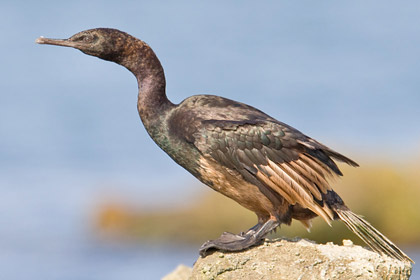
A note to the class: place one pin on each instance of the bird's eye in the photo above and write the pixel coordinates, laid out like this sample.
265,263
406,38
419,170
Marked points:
86,38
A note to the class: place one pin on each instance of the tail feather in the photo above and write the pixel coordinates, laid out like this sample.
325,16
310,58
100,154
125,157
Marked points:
370,235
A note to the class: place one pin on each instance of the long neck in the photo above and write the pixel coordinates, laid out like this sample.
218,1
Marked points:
152,102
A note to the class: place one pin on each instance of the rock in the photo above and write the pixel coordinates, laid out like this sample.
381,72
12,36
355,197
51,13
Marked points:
182,272
299,259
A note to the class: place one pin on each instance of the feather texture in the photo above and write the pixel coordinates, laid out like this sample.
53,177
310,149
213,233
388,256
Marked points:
270,152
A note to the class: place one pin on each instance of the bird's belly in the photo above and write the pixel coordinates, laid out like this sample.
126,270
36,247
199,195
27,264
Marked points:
231,184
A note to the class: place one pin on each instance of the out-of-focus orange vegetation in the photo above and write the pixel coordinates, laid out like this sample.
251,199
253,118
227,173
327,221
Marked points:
386,195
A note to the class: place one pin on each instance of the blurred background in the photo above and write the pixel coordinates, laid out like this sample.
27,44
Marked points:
86,194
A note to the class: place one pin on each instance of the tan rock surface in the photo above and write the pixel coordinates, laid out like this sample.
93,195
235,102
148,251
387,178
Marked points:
299,259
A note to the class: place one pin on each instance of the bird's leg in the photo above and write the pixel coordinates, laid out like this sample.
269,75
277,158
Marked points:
233,242
253,229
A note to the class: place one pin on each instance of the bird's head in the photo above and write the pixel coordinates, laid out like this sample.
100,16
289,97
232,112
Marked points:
106,43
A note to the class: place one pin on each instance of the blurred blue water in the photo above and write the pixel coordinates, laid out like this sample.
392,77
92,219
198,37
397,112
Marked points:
344,73
89,260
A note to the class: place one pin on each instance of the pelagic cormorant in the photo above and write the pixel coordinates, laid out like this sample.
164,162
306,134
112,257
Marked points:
263,164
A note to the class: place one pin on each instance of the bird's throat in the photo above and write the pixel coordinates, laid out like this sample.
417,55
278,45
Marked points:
152,102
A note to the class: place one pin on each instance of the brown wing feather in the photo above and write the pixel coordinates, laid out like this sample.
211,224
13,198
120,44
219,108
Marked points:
301,179
277,159
316,178
304,195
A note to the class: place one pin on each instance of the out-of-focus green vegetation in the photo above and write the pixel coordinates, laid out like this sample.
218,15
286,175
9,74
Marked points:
386,195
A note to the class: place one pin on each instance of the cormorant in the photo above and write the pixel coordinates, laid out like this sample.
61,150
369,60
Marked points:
263,164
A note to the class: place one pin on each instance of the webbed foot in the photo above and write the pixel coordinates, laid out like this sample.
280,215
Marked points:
237,242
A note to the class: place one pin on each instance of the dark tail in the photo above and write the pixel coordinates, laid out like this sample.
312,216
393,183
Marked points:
370,235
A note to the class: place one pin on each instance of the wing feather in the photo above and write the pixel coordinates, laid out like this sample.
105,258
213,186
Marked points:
301,179
317,177
304,196
278,186
279,157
